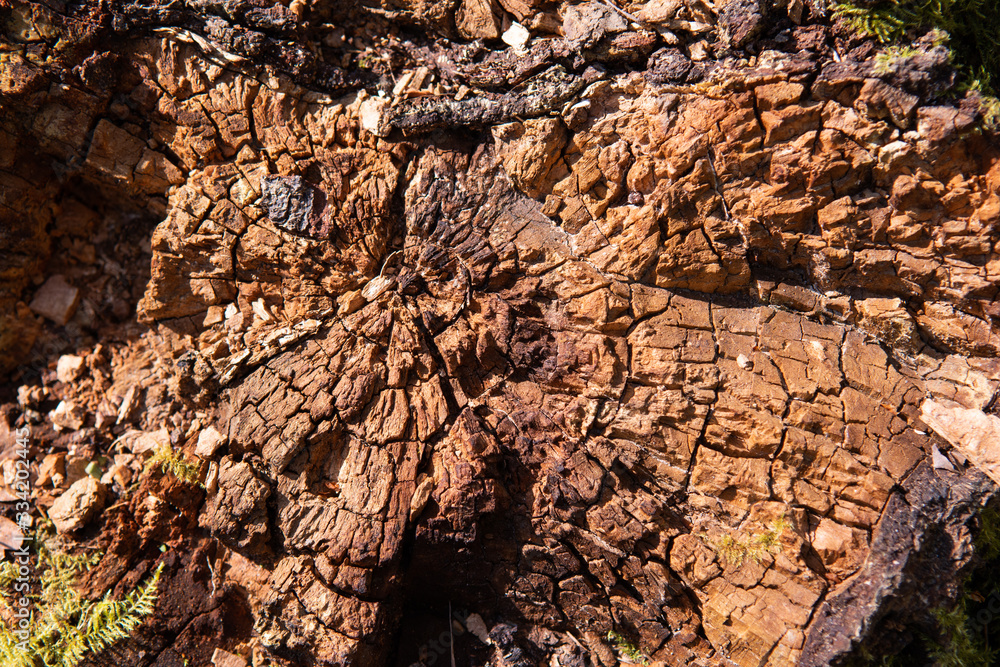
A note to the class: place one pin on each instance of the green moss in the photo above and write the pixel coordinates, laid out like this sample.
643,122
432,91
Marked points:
964,641
865,658
960,648
888,59
881,21
627,648
988,537
989,107
738,549
965,631
64,626
171,462
973,27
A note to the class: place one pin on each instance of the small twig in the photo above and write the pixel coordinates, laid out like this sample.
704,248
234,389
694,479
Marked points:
387,13
212,570
506,416
630,17
718,186
385,262
992,401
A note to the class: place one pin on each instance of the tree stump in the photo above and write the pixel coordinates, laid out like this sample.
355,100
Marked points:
630,328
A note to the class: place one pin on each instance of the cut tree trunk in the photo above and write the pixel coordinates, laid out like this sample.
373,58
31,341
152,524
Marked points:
662,323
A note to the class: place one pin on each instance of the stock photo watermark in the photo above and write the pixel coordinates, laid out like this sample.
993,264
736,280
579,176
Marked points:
440,649
987,614
20,483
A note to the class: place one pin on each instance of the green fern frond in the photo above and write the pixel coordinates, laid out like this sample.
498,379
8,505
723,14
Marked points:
961,648
883,22
8,573
65,626
110,621
10,651
971,27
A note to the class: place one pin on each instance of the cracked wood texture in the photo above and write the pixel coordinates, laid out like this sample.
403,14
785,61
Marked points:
540,352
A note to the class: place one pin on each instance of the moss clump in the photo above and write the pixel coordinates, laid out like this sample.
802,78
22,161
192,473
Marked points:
988,537
881,21
64,626
888,59
989,107
865,658
966,630
961,647
171,462
973,27
627,648
738,549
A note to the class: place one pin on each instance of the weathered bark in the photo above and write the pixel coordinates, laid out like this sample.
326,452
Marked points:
536,343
